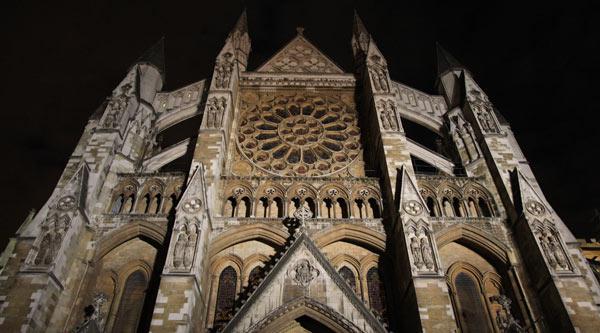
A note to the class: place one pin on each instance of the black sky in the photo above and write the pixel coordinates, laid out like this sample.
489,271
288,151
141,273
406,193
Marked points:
538,62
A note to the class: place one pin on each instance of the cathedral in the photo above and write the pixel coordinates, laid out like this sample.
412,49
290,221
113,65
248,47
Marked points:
301,206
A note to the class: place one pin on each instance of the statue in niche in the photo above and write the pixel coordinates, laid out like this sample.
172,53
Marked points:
190,246
116,105
52,240
427,254
546,249
557,252
379,76
415,249
224,68
388,115
179,251
215,108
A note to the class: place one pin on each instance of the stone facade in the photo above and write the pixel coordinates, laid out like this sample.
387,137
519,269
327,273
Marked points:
302,210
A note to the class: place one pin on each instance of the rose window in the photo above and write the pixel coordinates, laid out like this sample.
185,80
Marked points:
298,134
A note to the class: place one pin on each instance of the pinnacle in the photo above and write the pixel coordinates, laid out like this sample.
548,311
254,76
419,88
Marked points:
445,61
155,56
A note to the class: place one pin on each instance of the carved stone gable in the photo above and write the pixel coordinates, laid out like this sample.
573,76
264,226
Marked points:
300,56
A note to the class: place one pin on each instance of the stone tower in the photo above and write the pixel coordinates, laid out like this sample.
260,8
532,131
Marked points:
305,207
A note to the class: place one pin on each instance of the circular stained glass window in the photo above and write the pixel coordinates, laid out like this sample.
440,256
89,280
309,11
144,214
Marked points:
298,134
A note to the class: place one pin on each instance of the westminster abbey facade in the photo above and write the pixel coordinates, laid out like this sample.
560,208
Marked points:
302,206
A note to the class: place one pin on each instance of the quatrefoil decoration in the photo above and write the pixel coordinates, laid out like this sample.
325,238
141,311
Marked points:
412,207
66,203
270,191
301,192
332,192
364,192
192,206
535,208
238,191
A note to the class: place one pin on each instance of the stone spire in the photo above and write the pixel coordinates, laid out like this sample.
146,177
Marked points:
155,56
445,61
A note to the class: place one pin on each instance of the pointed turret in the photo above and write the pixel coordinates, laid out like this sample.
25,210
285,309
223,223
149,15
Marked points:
450,77
445,61
360,40
155,56
240,41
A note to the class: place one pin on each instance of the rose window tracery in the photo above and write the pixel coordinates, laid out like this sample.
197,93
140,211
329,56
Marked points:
298,134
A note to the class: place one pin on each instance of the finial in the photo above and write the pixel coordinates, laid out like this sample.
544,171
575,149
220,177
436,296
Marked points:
301,214
300,30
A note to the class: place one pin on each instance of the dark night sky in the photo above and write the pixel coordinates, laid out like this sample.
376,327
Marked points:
538,64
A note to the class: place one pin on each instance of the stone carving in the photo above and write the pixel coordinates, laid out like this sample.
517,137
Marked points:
270,191
387,114
223,70
415,248
66,203
364,192
185,246
427,253
379,74
298,134
299,56
412,207
483,110
332,192
463,136
99,314
192,206
303,272
553,250
215,108
116,105
53,232
504,318
421,249
535,208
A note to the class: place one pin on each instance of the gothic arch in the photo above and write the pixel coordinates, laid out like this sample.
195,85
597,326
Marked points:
477,240
251,262
149,231
354,234
259,231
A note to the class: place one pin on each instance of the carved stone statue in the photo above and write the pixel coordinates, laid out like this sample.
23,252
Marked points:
116,105
224,68
427,254
190,246
546,249
415,249
179,250
557,252
215,108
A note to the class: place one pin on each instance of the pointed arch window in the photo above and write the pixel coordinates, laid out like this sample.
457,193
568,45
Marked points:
347,274
471,309
376,291
484,208
226,295
132,302
254,276
431,206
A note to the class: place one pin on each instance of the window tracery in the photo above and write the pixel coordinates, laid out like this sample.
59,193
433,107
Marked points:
225,295
298,134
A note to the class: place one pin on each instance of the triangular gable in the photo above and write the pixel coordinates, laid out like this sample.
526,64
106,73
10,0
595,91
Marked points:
300,56
410,200
195,191
74,193
532,203
275,293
